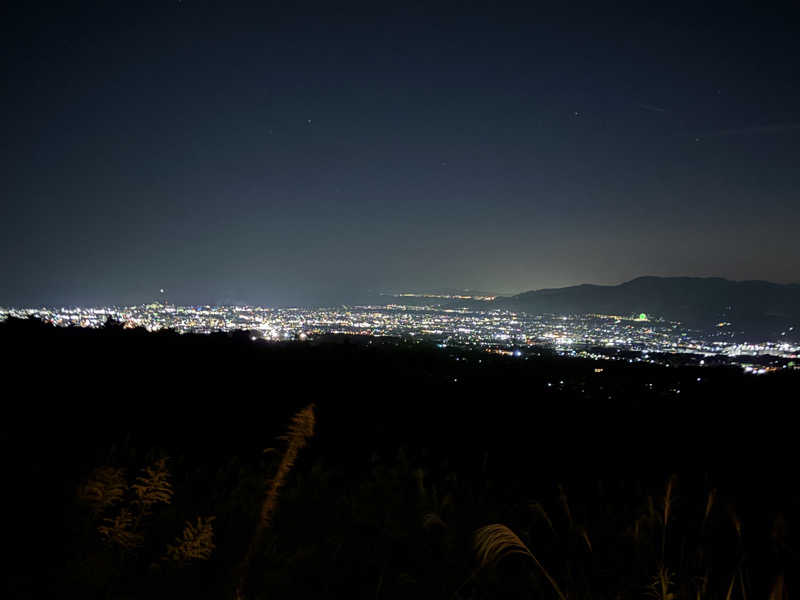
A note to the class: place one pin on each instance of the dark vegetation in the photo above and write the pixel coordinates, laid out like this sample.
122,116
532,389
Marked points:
611,484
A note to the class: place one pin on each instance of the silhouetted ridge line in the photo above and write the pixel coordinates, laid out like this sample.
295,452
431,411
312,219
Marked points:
762,308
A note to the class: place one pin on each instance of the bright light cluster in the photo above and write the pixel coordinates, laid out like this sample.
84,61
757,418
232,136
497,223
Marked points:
573,335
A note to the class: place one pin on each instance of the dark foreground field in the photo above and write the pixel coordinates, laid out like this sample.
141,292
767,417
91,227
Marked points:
609,484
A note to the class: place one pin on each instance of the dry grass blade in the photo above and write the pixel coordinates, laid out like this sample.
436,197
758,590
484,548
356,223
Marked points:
701,586
737,522
539,509
585,536
668,500
494,542
301,429
730,588
709,504
742,586
778,591
667,512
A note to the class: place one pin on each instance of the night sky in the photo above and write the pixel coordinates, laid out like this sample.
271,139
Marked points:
241,154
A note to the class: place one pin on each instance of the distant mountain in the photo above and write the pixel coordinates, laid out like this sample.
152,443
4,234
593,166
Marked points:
755,306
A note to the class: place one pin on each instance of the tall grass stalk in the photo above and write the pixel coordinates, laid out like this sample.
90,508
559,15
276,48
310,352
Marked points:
667,512
729,595
777,592
301,429
494,542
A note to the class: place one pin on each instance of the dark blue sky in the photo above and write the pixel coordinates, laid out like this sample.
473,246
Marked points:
233,153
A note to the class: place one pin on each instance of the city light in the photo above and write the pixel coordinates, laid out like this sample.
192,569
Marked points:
588,336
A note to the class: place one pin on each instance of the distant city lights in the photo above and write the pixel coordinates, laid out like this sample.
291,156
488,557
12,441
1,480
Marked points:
511,333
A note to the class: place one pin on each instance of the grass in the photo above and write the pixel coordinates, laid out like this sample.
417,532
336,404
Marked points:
301,429
495,542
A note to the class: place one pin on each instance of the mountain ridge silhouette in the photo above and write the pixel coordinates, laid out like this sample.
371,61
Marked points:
755,306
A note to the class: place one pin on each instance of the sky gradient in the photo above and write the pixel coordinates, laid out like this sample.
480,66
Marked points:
242,154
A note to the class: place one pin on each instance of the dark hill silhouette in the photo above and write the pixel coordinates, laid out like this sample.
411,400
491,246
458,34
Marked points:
759,307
